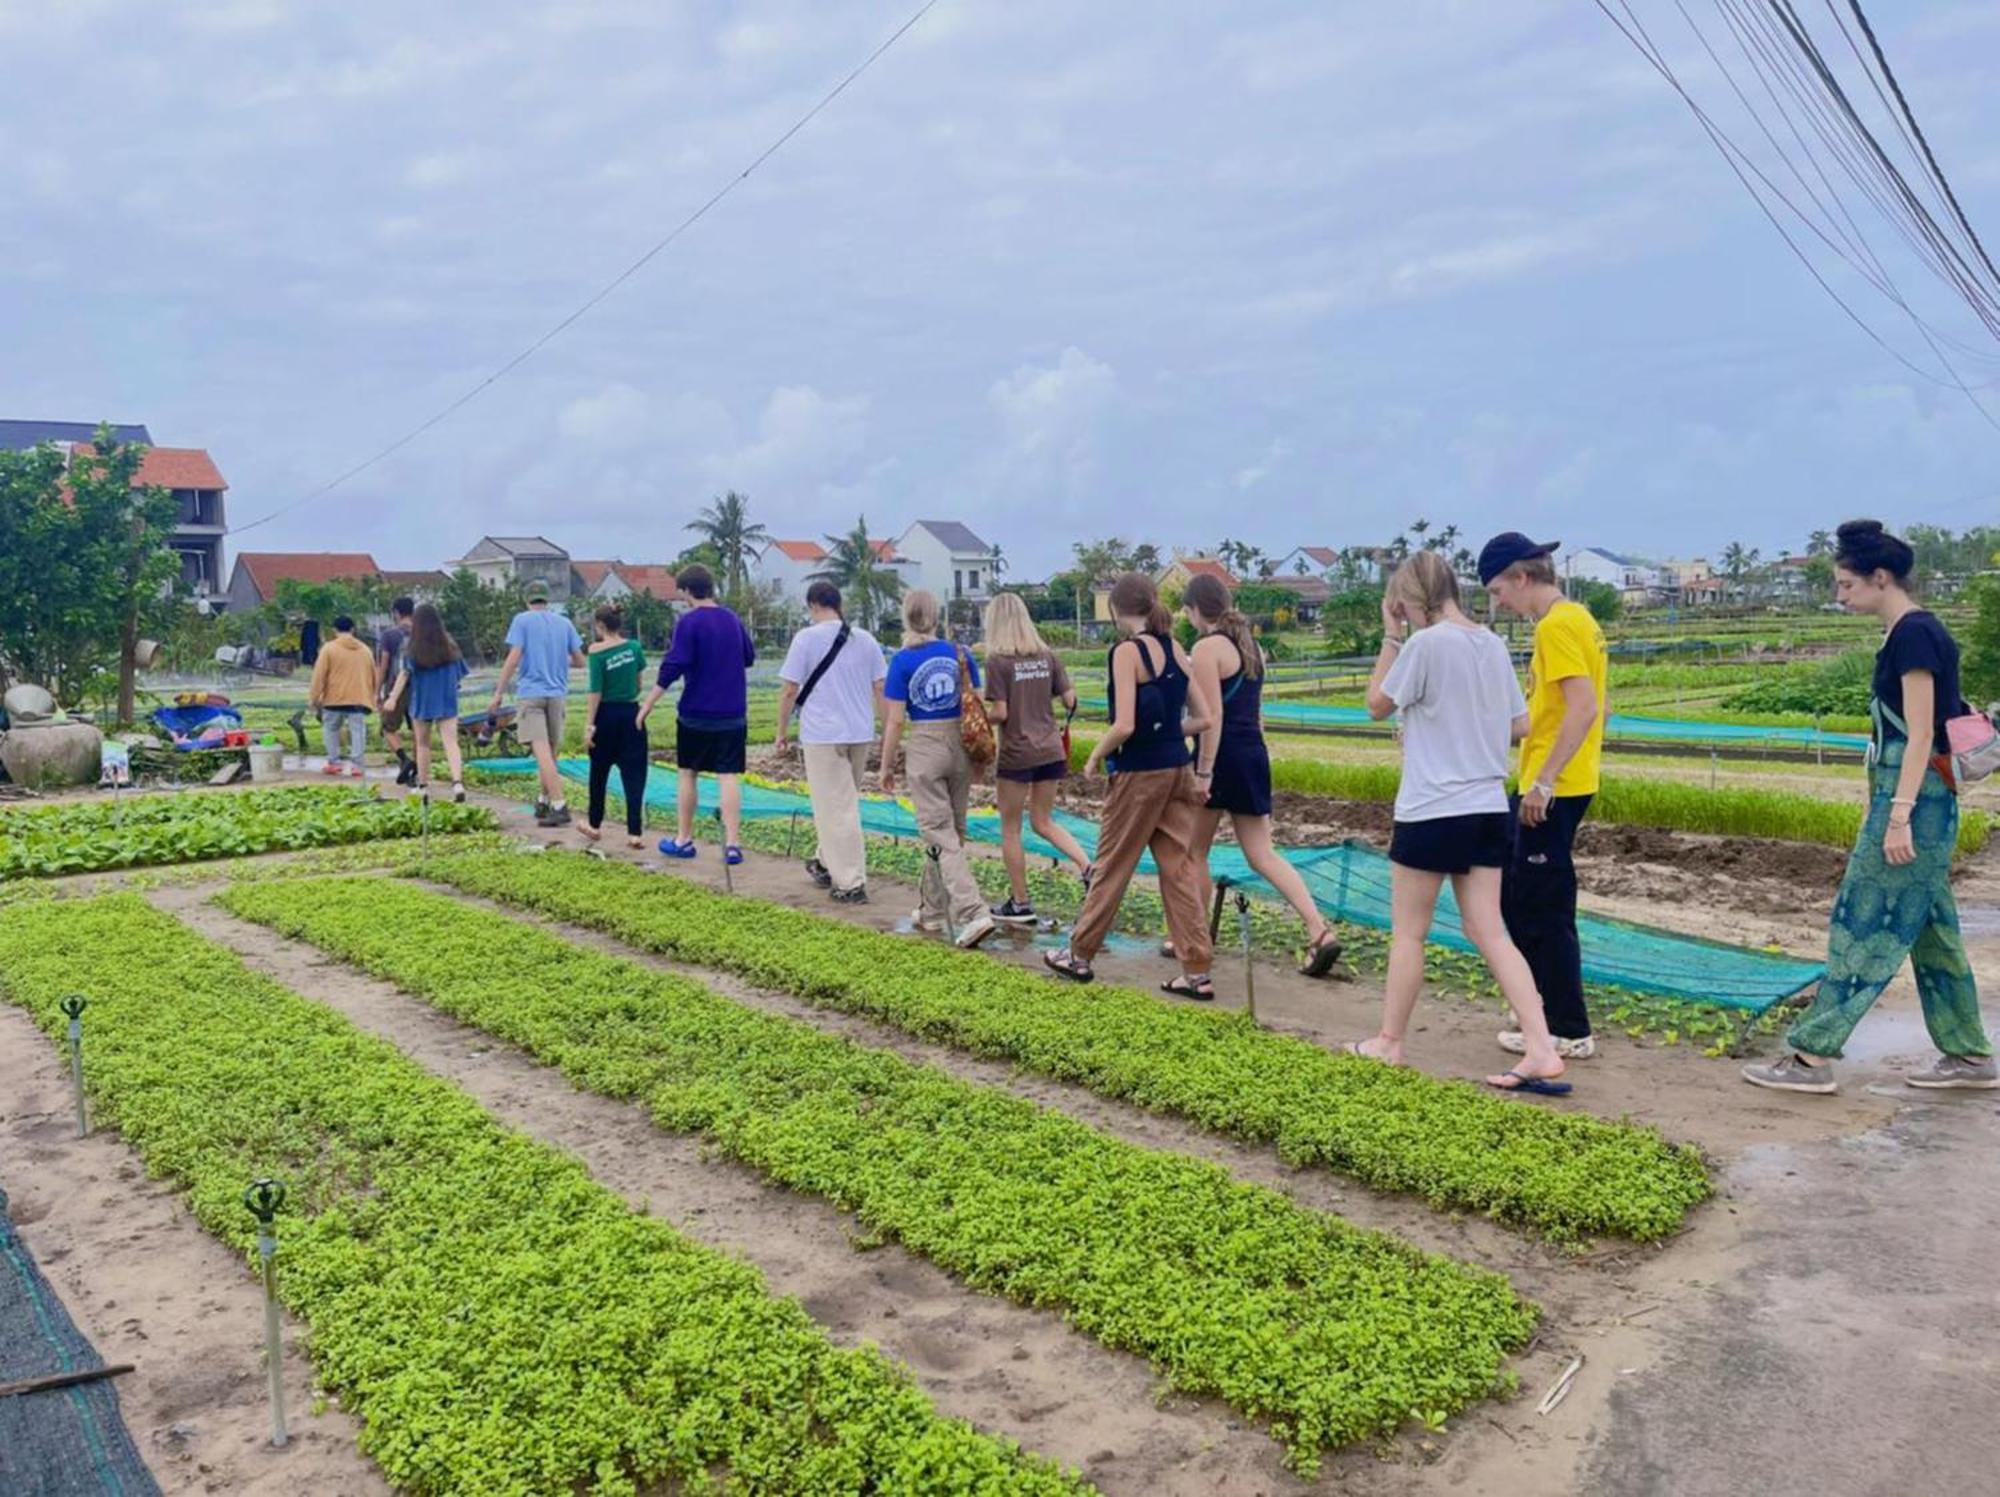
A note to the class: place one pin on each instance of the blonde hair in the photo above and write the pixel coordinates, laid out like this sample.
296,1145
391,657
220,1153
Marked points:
1426,580
1009,630
920,617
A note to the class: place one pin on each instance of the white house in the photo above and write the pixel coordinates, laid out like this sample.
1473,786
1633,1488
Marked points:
793,565
1306,561
1628,574
949,559
500,560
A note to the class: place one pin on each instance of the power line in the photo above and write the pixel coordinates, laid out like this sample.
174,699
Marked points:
605,290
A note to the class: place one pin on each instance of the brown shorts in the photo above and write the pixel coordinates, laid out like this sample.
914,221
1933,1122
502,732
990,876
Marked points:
395,719
542,721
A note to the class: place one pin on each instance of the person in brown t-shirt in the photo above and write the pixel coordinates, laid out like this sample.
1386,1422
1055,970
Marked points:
1024,681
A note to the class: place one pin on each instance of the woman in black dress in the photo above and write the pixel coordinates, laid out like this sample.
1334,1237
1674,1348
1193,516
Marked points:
1229,674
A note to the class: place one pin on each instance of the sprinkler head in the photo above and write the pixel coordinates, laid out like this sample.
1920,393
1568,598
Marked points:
74,1005
264,1199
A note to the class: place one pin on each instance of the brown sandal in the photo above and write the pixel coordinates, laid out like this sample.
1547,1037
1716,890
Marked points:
1321,955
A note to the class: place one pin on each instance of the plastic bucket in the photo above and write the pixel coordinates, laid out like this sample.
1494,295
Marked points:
267,761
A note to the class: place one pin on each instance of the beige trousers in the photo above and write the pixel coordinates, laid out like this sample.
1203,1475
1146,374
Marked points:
941,787
1149,810
833,774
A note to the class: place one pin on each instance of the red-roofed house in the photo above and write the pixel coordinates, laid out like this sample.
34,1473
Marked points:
197,486
1302,561
792,565
1184,568
608,581
254,581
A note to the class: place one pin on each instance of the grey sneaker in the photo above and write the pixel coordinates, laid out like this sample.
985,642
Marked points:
923,922
970,938
1790,1074
857,895
1513,1043
1957,1071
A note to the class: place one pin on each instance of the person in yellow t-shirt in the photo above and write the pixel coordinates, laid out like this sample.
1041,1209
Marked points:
1559,772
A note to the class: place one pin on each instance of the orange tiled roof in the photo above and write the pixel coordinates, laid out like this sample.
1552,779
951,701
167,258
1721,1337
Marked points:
268,568
170,467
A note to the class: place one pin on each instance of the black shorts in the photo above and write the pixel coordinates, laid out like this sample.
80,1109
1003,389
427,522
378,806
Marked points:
710,750
1454,844
1036,774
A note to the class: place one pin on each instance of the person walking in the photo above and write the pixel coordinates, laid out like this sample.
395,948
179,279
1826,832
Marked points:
612,736
426,694
1155,795
1228,670
1463,711
1558,777
1024,681
925,681
542,647
388,671
1895,901
832,677
342,692
710,654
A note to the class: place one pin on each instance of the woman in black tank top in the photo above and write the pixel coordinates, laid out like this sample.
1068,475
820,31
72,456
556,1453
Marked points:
1153,799
1233,765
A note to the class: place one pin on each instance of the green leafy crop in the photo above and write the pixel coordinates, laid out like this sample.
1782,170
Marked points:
194,826
1567,1174
1329,1332
502,1324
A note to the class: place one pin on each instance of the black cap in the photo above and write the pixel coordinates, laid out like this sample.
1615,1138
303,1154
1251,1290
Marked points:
1507,548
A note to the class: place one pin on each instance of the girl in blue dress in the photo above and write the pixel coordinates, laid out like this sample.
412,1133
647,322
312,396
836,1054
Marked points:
429,672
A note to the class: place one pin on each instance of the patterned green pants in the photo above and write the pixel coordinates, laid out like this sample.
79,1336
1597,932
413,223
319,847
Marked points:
1884,914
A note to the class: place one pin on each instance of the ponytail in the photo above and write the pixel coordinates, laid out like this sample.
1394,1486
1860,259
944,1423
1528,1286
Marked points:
1134,596
1208,597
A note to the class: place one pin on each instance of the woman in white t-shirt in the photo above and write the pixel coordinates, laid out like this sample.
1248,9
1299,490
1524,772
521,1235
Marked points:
1454,683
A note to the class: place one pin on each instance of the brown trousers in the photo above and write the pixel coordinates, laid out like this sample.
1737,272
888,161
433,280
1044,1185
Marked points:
1148,810
940,779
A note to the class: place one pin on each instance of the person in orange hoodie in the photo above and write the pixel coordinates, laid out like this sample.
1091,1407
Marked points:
343,690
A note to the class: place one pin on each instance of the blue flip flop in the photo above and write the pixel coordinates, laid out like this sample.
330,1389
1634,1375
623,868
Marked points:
1540,1086
732,855
672,849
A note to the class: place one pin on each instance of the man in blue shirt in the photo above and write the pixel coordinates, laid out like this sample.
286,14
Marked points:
541,646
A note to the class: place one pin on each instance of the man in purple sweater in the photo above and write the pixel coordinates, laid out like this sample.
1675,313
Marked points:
710,654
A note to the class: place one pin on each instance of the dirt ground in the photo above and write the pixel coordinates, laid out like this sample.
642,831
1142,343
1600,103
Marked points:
1851,1234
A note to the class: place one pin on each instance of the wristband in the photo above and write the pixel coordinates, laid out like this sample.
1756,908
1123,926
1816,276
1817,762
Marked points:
1548,790
1391,642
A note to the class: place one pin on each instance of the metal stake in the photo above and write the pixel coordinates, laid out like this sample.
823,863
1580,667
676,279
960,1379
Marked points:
425,813
264,1199
933,868
74,1005
1249,972
791,836
728,878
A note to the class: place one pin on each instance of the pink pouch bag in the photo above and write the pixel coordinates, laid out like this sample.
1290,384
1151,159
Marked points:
1974,743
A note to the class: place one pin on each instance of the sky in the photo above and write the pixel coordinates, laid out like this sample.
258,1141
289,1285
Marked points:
1294,274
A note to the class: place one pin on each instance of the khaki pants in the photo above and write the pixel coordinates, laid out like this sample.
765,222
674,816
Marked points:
833,773
1149,809
941,786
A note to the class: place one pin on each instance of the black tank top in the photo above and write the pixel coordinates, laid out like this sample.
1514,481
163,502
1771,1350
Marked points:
1156,741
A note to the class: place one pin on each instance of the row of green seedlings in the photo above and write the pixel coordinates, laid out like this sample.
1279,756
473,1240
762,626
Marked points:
1568,1175
1276,933
1329,1332
150,829
499,1322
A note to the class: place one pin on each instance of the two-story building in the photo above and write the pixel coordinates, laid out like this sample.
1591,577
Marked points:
515,560
1636,580
949,559
793,565
189,473
609,581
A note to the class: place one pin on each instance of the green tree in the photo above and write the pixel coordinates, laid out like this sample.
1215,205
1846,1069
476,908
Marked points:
477,614
726,525
1819,543
1981,665
1144,557
1819,574
85,569
1096,562
1602,599
702,554
868,589
648,619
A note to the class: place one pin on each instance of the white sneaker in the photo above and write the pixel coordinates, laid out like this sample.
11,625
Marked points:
1513,1043
973,934
924,922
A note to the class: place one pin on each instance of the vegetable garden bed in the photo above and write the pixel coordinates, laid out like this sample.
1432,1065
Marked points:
89,836
1568,1175
1329,1332
500,1323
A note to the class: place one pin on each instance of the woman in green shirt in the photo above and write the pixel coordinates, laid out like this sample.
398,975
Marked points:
611,731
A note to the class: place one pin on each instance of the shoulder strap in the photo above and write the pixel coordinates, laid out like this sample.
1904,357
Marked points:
839,640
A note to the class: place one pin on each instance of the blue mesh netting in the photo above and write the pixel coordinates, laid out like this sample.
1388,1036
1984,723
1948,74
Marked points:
1619,725
1348,882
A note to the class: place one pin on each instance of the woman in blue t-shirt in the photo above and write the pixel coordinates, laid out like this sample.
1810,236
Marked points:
922,689
1895,900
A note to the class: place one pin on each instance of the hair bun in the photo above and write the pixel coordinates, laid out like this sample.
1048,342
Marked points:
1859,530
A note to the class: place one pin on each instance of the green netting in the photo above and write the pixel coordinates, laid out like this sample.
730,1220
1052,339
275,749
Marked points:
1620,725
1348,882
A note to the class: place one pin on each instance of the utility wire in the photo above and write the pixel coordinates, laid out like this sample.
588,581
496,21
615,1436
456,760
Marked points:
609,286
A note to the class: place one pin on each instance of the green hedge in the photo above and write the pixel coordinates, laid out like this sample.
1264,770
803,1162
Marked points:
1328,1332
1568,1174
500,1323
196,825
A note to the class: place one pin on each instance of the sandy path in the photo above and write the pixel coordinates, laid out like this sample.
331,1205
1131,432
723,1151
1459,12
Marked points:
150,1287
1007,1369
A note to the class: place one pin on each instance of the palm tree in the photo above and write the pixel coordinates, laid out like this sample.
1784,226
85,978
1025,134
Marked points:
1145,558
726,525
854,566
1819,543
996,563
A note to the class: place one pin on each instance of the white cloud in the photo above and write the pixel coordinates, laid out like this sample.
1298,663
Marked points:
1248,478
614,416
805,441
440,169
751,41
